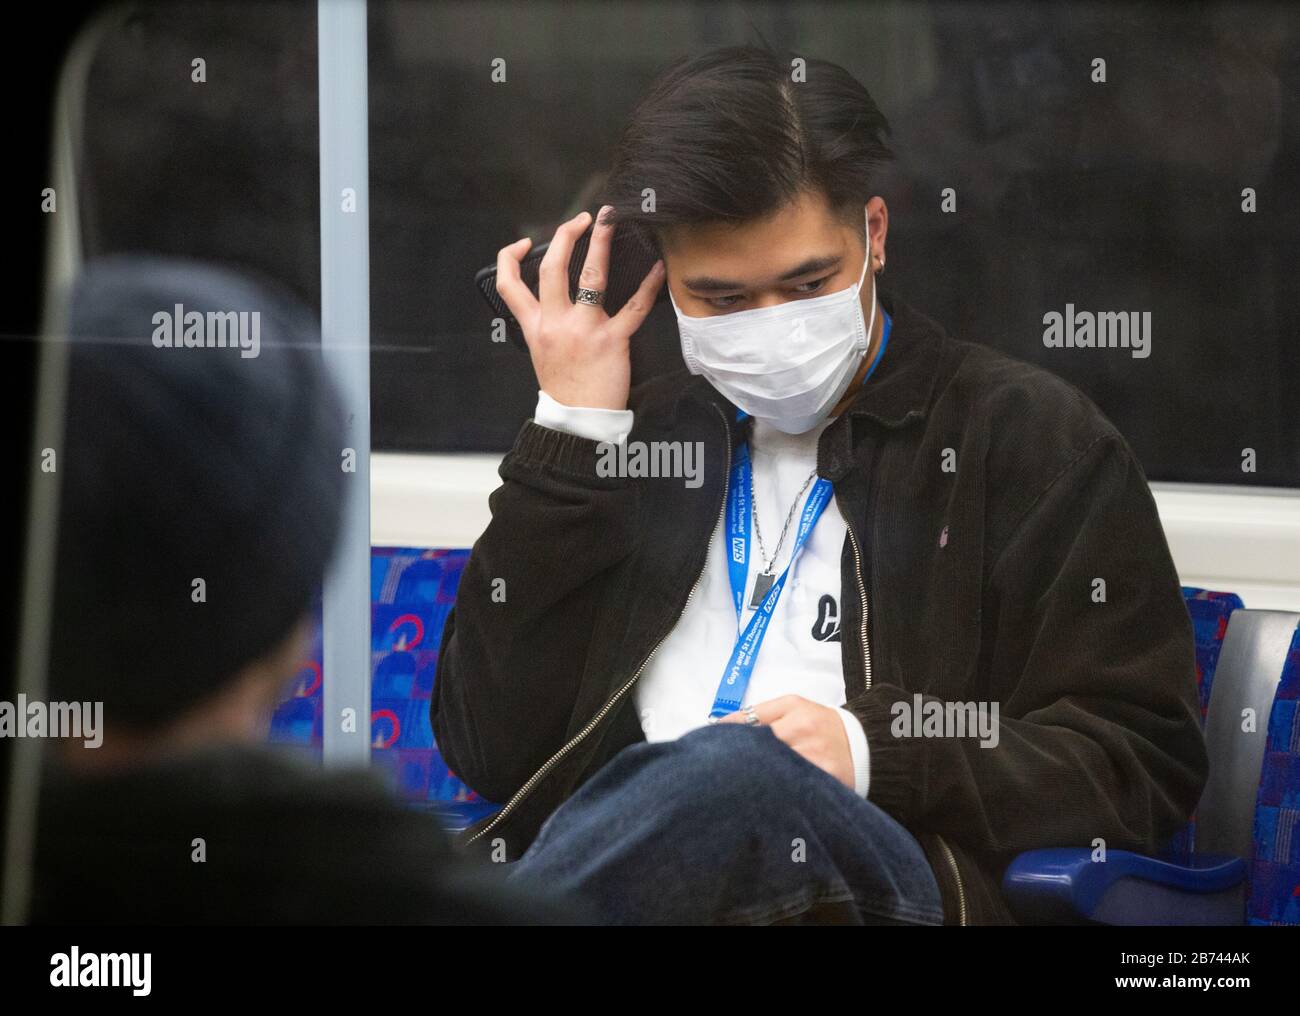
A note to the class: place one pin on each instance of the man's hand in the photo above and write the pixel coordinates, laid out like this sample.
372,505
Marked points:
580,354
813,730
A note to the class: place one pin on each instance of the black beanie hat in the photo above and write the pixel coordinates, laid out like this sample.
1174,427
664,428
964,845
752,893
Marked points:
180,464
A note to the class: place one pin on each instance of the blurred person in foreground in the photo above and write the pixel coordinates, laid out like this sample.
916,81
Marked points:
181,464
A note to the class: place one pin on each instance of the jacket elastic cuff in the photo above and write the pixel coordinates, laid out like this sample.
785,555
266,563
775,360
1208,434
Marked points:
541,448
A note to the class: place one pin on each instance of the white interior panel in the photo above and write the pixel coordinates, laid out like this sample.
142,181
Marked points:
1235,539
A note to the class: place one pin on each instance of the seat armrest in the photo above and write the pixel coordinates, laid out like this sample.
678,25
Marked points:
1065,885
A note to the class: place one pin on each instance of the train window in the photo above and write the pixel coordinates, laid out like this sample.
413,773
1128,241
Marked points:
1053,176
182,155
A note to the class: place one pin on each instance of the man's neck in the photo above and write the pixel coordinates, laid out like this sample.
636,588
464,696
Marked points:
236,717
876,333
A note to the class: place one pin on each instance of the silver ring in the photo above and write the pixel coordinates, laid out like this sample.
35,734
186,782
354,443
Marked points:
751,718
595,297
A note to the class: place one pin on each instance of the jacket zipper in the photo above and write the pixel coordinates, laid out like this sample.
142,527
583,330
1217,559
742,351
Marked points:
862,596
594,722
866,686
956,872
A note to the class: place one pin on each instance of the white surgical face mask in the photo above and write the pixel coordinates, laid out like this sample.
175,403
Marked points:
788,364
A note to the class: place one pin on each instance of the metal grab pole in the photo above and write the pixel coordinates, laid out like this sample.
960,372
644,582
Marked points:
345,346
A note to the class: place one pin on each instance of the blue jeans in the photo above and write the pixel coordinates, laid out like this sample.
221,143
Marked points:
729,825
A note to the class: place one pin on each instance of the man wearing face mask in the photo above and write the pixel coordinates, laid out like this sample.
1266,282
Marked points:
696,705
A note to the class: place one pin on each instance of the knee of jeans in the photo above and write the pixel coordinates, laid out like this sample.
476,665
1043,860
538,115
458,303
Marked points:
738,753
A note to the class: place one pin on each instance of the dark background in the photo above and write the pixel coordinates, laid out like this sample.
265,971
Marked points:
1116,196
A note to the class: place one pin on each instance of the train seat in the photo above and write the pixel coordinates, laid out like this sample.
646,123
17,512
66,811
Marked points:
1239,860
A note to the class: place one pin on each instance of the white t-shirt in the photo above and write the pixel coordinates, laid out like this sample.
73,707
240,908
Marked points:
801,651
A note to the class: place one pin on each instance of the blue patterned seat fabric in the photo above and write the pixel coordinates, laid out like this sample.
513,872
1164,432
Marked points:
412,590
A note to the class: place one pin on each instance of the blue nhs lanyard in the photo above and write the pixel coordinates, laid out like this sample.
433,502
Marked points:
740,667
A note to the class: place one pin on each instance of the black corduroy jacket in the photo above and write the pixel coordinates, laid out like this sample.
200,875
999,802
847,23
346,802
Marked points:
1003,547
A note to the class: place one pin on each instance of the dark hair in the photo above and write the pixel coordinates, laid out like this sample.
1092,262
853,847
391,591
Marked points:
729,136
186,463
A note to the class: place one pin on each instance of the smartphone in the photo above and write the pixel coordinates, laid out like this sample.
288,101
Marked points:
630,258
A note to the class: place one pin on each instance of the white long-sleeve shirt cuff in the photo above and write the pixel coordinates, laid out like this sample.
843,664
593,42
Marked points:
858,751
609,425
